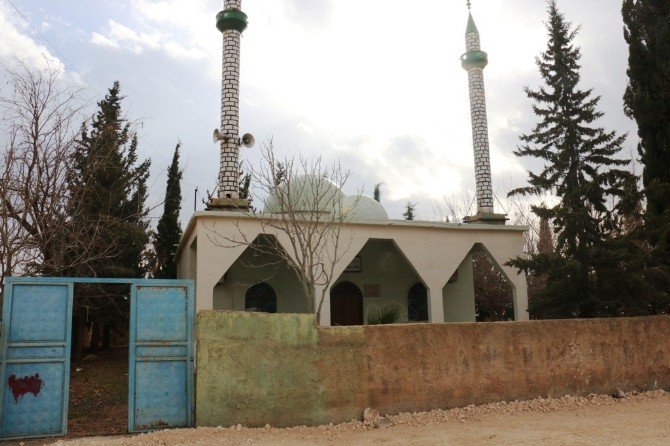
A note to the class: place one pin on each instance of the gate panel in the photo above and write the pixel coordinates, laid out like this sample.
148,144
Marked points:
161,357
36,354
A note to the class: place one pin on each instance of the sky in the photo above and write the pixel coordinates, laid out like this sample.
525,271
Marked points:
375,84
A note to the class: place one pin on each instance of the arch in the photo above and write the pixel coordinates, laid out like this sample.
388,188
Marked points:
346,304
261,297
493,288
417,303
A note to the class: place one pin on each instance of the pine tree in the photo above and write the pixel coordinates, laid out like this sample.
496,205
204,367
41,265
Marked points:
109,187
108,190
647,97
409,211
168,230
583,170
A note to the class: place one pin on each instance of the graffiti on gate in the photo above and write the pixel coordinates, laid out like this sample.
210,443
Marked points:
27,384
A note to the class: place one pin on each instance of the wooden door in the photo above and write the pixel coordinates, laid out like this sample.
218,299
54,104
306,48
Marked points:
346,304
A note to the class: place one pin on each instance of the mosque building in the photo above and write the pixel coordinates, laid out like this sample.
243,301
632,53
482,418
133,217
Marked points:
423,268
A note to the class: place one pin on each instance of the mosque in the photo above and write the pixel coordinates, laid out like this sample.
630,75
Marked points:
423,268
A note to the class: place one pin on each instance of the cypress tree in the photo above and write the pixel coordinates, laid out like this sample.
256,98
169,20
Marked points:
647,97
377,192
582,170
647,101
168,230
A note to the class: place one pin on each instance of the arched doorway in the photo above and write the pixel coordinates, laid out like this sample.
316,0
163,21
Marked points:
261,297
417,303
346,304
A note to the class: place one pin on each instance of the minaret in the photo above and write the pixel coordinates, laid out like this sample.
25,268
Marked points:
231,22
474,61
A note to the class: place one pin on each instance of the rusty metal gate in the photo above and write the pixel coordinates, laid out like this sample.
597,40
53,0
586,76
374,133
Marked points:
36,343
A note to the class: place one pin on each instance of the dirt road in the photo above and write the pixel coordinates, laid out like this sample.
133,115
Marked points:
642,419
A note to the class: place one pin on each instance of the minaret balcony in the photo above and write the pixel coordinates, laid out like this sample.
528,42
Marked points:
231,19
474,59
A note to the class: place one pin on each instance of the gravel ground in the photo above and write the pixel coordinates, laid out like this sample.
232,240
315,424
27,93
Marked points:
592,420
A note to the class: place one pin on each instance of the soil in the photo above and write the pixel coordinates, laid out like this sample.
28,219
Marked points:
594,420
99,394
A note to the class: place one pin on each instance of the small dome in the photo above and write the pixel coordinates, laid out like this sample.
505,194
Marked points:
362,207
307,193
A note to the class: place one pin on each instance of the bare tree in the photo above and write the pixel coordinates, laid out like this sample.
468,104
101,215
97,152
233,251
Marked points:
40,119
493,291
304,209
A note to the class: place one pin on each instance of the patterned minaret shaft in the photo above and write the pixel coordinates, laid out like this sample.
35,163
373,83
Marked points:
474,61
231,22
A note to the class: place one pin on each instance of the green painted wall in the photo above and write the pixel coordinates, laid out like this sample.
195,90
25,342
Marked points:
255,368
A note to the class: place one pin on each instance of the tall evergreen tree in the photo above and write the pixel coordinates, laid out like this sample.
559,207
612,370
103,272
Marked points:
409,211
108,182
647,101
168,230
647,98
108,189
377,192
582,168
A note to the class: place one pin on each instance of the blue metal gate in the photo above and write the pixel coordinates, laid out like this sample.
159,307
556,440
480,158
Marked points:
161,357
37,320
35,361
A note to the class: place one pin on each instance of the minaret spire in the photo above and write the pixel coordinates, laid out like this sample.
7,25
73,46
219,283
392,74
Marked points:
474,61
231,22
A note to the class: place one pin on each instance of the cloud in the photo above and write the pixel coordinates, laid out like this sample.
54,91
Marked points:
15,43
121,36
99,39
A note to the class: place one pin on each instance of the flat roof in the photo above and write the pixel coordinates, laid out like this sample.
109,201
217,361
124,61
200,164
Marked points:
397,223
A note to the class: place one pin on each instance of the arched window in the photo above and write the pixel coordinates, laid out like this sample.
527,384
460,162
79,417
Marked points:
417,303
261,297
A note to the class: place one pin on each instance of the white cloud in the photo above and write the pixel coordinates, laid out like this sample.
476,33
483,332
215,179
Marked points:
15,42
184,39
99,39
121,36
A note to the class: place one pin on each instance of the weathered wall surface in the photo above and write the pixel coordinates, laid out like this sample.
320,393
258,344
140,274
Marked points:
281,369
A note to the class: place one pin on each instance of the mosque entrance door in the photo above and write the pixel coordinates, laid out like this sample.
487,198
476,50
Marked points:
346,304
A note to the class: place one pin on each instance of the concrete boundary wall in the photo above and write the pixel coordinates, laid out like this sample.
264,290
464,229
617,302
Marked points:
283,370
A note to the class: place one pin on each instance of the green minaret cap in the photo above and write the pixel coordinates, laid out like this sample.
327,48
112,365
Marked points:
472,28
231,19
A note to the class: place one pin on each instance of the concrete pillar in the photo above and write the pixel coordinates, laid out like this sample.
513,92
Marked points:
435,303
519,293
325,309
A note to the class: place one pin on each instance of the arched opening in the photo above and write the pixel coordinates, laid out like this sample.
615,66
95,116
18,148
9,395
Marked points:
346,304
263,262
494,296
417,303
384,275
261,297
479,290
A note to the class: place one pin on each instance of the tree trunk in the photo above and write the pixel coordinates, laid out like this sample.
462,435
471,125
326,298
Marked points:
79,335
106,336
95,337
